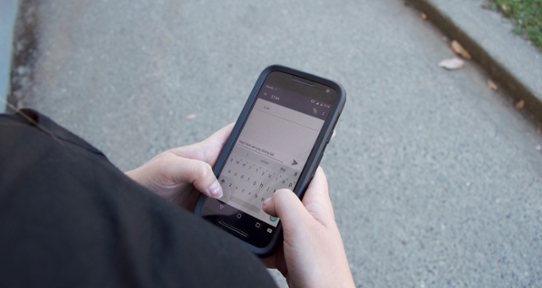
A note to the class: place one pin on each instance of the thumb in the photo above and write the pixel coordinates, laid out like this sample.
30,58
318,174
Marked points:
288,207
167,172
183,170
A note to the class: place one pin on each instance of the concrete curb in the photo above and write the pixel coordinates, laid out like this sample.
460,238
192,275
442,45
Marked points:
509,60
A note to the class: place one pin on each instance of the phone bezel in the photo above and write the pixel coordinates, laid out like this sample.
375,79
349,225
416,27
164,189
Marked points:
313,160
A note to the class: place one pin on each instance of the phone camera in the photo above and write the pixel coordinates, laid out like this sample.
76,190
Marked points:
328,90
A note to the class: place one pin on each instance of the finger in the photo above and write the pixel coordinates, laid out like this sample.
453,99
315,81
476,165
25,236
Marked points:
221,135
213,145
316,203
199,173
277,261
316,198
208,149
288,207
314,191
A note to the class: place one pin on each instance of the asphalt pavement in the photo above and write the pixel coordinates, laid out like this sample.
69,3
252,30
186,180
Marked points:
8,12
435,178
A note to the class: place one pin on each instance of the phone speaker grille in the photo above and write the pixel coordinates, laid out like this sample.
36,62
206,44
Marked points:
302,82
233,228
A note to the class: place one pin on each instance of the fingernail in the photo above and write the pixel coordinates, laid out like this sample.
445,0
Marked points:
215,190
265,202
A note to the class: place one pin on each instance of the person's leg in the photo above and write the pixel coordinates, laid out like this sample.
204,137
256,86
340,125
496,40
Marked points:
68,217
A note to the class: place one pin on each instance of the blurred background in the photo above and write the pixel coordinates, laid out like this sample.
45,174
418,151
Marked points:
435,178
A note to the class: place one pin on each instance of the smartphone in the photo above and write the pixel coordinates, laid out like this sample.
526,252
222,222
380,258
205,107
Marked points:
277,142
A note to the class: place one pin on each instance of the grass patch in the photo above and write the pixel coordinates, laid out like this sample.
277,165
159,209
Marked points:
526,15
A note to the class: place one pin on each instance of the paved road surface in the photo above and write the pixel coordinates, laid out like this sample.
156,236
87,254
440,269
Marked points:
435,179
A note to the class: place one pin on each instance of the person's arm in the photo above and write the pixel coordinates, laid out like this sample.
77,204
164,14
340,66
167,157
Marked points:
312,254
173,174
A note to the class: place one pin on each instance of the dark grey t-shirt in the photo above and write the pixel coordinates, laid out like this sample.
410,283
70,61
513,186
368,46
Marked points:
69,218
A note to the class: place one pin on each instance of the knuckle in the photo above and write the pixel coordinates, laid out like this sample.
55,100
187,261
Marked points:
283,195
164,163
200,169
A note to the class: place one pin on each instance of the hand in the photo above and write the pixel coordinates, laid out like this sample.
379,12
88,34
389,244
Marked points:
174,174
312,254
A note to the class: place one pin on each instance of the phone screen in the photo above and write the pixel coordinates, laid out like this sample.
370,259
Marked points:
269,153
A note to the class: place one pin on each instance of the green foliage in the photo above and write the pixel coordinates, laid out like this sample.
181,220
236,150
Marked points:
526,15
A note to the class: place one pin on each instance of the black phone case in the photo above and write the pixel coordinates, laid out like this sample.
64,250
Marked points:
312,162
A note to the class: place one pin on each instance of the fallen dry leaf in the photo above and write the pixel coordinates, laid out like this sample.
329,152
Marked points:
459,50
520,105
190,117
492,85
423,16
451,64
